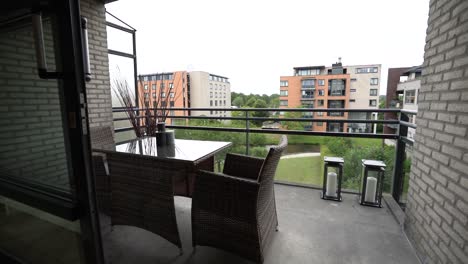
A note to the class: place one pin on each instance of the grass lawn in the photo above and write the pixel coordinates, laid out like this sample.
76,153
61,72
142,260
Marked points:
307,170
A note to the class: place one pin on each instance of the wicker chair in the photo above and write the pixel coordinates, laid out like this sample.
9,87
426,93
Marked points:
143,195
235,210
102,138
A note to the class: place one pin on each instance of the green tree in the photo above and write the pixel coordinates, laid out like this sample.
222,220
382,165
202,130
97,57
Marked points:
251,102
259,104
238,101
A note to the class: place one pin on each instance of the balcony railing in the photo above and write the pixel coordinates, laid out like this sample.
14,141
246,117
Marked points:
248,119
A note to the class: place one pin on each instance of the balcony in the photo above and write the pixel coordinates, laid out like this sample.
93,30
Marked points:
311,230
307,97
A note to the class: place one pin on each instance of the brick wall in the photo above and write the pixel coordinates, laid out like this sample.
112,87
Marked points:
437,212
31,132
98,90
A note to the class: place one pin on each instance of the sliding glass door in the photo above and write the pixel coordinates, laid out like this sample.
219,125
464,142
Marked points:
46,198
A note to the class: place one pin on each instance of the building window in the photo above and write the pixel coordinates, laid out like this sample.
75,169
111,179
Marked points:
321,82
319,123
146,87
321,92
224,103
211,86
211,102
145,78
335,127
163,104
353,90
171,95
410,97
171,104
372,102
374,81
319,113
283,102
335,104
367,70
352,100
216,102
373,92
211,112
320,102
211,94
336,87
216,95
153,86
162,85
163,95
284,83
306,72
308,83
283,92
146,95
353,79
154,95
171,85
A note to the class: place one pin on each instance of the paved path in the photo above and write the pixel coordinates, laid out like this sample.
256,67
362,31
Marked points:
300,155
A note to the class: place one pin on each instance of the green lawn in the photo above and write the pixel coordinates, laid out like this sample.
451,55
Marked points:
307,170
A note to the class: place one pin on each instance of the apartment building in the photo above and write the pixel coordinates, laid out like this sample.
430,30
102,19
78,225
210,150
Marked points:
182,89
209,90
364,94
408,92
391,100
338,86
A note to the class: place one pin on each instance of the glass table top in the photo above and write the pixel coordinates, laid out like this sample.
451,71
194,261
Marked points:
183,149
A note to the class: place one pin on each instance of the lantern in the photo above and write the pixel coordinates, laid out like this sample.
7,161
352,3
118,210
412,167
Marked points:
372,182
332,177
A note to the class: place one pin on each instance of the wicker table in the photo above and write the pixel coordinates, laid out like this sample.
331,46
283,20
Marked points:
180,161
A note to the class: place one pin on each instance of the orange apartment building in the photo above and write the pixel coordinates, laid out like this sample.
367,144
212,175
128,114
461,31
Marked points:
164,90
318,87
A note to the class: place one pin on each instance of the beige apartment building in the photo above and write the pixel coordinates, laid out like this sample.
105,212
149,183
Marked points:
209,91
364,94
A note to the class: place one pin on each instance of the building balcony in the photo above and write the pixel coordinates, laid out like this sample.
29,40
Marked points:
307,97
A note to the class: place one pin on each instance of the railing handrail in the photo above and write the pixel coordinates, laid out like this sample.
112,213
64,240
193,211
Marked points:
387,110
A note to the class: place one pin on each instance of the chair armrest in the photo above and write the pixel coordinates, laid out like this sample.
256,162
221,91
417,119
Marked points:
243,166
225,195
100,164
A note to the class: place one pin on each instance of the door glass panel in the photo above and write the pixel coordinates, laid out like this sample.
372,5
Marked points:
33,149
34,236
32,145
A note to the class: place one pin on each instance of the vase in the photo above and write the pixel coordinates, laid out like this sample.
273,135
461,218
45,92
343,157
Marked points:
164,137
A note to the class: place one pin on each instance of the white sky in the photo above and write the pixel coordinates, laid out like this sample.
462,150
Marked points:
255,42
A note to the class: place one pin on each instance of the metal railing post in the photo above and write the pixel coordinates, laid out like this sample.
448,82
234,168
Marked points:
400,156
247,127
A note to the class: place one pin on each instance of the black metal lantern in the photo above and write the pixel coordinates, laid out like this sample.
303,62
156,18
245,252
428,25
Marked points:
331,189
372,180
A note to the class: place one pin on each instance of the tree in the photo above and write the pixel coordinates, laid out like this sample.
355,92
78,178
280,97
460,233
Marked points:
259,104
238,101
251,102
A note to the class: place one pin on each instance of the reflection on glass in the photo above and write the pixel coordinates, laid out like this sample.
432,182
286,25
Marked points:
35,236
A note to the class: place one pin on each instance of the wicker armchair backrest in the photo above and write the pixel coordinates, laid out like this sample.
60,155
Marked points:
102,138
268,170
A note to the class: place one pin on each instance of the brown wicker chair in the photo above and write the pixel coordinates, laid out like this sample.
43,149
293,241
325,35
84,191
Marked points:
102,138
235,210
142,194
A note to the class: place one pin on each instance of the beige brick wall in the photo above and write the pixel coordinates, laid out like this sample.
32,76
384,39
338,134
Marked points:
437,212
98,90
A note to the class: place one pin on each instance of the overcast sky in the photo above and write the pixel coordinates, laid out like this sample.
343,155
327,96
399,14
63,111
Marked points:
253,43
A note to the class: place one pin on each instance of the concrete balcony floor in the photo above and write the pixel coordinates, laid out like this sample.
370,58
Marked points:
311,230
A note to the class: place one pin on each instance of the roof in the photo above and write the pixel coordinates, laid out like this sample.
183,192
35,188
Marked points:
309,67
415,69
